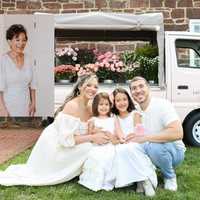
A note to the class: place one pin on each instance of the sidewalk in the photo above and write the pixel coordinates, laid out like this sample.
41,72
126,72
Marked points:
15,141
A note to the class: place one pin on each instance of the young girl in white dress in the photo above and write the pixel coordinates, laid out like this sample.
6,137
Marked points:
133,165
119,165
98,171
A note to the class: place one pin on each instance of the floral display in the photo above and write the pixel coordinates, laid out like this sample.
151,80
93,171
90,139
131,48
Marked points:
74,62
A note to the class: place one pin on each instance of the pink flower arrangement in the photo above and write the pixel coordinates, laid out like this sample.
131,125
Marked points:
110,61
65,71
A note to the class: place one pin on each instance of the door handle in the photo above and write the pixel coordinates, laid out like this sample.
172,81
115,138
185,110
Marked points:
182,87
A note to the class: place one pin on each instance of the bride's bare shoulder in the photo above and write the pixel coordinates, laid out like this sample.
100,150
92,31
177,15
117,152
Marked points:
71,108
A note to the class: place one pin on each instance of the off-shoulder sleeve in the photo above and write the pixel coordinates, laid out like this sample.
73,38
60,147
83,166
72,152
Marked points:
2,75
67,126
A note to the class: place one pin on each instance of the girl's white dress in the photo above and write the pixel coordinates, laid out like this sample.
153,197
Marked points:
109,166
54,159
98,170
15,84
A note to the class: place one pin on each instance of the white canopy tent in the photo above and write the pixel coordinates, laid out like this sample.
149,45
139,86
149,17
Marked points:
117,21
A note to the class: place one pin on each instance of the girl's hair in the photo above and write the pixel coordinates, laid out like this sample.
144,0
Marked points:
130,102
97,99
14,31
75,92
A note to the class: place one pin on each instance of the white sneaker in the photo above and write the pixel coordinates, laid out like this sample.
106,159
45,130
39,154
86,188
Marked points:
170,184
148,188
140,188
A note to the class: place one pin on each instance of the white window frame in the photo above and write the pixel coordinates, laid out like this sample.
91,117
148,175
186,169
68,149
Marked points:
192,24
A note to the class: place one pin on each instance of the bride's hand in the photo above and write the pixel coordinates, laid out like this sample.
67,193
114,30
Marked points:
100,137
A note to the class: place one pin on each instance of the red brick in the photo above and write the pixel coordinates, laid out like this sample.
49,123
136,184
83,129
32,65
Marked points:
118,4
5,5
89,4
68,11
104,47
139,3
21,5
129,10
54,11
92,46
168,21
72,6
100,3
193,13
34,5
80,45
124,47
180,21
156,3
197,4
49,1
184,3
166,13
52,5
82,11
177,13
170,3
175,27
94,9
20,12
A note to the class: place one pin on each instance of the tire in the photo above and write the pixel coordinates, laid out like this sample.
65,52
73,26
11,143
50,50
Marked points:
191,129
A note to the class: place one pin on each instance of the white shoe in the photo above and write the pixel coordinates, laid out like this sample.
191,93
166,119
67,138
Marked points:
140,188
148,188
170,184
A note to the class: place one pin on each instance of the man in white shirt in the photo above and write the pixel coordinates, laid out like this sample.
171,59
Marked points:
162,142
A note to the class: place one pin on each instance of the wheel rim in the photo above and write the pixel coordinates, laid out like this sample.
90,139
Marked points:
196,131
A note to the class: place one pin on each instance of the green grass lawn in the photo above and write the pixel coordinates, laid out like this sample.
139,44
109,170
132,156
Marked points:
188,181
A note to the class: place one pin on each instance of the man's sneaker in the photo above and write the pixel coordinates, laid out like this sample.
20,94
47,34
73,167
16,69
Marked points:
170,184
148,188
140,188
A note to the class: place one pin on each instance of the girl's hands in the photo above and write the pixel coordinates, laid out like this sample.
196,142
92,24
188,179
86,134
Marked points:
100,137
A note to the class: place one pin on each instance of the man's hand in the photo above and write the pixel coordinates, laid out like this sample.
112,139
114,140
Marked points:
132,137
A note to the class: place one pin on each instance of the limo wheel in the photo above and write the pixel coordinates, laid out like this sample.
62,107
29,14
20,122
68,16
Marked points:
192,130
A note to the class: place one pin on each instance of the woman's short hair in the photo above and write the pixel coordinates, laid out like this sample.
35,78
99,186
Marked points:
14,31
97,99
130,102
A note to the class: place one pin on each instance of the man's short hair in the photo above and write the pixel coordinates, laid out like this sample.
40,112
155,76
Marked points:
138,78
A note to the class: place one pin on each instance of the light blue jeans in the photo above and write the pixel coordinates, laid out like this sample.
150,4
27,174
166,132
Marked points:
165,156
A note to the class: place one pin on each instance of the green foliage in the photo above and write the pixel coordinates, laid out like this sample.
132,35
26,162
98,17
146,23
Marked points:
148,51
142,62
85,56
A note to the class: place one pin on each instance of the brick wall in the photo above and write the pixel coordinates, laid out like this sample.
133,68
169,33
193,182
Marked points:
176,12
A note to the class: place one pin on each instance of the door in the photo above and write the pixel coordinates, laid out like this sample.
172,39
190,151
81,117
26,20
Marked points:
183,70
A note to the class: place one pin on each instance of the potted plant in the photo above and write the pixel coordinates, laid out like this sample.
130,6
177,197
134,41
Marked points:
64,73
110,67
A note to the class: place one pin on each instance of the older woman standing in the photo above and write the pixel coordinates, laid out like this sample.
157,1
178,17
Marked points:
17,77
64,145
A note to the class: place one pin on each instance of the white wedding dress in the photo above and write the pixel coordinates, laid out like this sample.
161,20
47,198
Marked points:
54,159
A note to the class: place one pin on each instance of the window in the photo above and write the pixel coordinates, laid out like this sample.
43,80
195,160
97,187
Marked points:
194,27
188,53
